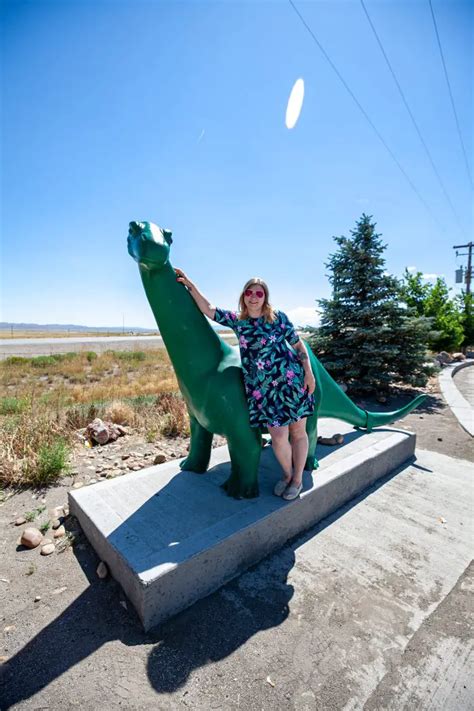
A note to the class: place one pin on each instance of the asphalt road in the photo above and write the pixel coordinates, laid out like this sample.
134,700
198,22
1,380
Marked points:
29,347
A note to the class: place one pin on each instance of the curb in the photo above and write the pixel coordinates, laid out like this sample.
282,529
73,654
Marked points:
461,409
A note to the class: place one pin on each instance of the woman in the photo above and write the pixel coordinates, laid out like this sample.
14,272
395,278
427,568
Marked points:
278,379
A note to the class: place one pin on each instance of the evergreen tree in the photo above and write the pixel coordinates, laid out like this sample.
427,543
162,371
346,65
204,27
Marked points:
367,339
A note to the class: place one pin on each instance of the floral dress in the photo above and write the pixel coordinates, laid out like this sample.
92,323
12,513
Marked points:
273,375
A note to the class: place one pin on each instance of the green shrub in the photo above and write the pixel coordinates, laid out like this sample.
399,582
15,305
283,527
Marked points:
134,356
16,360
12,405
90,355
43,361
52,460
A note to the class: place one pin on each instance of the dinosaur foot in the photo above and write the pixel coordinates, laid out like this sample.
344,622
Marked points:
239,491
191,465
311,463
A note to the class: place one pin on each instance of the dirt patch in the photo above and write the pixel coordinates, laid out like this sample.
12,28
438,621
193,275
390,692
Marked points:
435,426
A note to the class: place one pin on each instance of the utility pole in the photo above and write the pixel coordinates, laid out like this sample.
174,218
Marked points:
469,263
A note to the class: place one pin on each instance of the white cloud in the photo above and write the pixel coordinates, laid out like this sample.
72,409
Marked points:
411,269
304,316
430,277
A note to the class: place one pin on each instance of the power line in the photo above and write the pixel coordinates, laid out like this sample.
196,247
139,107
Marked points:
411,116
451,95
366,116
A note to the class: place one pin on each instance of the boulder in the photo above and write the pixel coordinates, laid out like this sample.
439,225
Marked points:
31,537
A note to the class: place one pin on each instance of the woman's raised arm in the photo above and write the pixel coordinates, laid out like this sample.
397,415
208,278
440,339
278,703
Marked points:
205,306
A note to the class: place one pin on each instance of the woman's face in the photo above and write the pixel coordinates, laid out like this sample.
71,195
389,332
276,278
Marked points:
254,297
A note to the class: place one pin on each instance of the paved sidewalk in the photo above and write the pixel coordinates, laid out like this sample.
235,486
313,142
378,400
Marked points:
464,381
457,389
369,610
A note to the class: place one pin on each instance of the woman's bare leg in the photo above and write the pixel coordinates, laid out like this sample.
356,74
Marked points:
299,447
282,448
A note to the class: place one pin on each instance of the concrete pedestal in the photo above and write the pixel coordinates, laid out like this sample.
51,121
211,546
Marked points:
171,537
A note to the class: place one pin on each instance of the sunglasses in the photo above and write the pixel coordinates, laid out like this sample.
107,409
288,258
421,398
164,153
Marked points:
259,294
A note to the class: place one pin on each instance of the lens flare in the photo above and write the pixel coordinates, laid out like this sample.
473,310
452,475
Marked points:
295,103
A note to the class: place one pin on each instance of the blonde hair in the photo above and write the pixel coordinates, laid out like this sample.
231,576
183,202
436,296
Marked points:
268,312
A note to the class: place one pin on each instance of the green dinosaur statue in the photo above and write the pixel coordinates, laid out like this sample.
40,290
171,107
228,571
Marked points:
209,374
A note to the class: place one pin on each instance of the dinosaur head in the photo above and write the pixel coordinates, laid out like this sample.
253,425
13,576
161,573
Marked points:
148,244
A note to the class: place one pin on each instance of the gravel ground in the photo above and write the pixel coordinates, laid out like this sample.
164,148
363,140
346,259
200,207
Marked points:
281,636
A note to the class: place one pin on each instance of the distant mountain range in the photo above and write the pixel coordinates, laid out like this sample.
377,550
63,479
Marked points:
7,325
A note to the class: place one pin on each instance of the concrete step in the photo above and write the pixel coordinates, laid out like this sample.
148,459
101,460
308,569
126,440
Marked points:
171,537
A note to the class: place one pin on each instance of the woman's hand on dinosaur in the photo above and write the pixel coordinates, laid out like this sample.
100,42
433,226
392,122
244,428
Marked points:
310,383
182,278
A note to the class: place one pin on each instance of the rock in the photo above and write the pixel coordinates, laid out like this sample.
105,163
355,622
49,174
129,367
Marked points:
78,485
136,468
37,598
93,481
45,541
102,570
159,459
56,523
102,432
66,510
458,357
136,454
125,456
20,521
98,431
48,549
61,531
31,537
444,358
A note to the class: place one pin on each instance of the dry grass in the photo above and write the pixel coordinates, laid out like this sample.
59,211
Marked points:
45,400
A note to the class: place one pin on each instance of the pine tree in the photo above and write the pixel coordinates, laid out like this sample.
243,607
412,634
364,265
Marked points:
367,339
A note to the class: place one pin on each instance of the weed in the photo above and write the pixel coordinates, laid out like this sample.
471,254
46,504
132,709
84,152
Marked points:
44,527
31,569
52,460
16,360
31,515
133,356
42,361
12,405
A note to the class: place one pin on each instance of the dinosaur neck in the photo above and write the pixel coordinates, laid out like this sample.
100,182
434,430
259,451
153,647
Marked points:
192,344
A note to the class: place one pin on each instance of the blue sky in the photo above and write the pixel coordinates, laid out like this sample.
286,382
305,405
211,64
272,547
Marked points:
174,112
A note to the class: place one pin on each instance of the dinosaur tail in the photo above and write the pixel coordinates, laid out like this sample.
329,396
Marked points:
335,403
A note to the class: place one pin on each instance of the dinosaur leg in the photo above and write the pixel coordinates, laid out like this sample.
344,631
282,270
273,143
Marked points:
312,432
245,448
200,448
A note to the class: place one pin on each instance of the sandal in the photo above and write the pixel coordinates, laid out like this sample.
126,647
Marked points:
280,487
292,492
